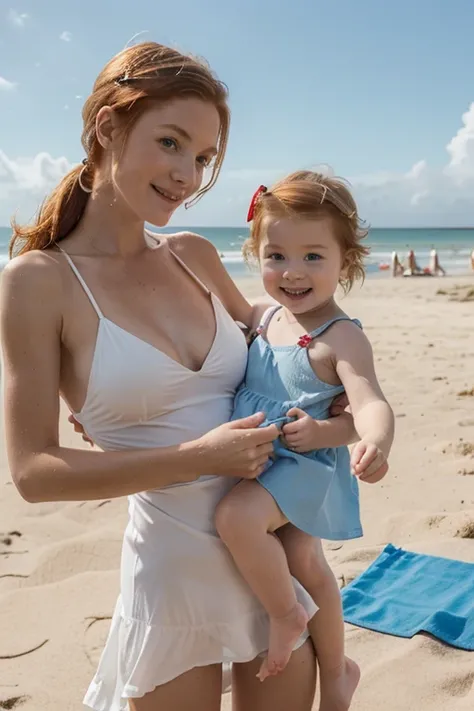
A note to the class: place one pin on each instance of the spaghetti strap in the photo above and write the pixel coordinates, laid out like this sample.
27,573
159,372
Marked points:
82,283
318,331
151,236
306,340
267,317
190,272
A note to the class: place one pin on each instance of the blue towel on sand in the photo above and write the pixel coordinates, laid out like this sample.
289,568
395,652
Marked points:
403,593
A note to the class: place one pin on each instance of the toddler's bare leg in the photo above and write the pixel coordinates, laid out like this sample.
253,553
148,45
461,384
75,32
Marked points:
339,674
245,520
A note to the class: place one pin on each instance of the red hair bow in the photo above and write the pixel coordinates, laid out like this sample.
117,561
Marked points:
262,189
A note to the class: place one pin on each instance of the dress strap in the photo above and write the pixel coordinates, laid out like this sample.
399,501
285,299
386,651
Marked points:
305,340
190,272
267,317
82,283
154,239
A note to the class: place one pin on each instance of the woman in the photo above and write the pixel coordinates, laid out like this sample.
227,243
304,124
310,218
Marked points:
435,267
137,333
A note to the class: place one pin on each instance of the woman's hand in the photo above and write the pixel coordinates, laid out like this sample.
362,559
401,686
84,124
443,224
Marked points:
240,448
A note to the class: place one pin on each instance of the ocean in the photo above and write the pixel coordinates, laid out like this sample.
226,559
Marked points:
453,245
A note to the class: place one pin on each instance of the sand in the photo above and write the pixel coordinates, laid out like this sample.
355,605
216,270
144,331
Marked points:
59,562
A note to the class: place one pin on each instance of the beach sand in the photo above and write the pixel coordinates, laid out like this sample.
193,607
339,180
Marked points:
59,562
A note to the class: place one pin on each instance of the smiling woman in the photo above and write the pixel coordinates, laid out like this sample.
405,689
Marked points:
136,332
126,92
167,155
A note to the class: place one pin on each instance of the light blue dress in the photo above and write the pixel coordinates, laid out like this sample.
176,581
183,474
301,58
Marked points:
315,491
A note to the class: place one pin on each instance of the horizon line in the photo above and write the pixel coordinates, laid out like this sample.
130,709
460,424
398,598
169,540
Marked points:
244,227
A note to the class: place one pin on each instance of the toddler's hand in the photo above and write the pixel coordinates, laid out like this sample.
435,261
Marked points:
368,462
300,435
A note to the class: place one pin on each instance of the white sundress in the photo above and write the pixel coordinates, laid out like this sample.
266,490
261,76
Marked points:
182,602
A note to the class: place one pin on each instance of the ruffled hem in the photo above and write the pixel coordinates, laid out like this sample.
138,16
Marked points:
139,657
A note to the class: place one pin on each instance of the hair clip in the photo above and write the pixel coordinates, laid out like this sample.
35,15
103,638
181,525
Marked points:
124,79
260,190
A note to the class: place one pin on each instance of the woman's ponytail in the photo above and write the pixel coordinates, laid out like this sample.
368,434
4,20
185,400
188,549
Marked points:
57,216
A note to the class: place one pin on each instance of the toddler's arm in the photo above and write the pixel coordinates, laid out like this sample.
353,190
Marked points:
338,430
373,416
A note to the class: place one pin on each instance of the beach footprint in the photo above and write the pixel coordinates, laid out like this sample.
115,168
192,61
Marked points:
95,635
459,685
12,702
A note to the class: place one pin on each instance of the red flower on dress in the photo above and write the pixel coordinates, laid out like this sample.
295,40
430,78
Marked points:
253,202
305,340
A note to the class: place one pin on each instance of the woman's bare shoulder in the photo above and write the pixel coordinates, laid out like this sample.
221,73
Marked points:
36,263
36,274
191,243
200,255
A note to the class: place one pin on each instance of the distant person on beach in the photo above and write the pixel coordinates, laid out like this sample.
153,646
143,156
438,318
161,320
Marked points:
435,267
397,266
412,268
472,260
306,236
138,333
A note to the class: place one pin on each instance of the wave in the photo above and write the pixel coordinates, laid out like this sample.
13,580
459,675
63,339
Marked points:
228,257
457,259
452,256
445,253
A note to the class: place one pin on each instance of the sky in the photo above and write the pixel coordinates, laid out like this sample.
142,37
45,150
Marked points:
380,93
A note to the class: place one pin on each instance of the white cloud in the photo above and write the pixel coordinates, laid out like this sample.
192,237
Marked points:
6,85
417,198
425,195
420,196
24,182
461,148
65,36
16,18
417,170
37,174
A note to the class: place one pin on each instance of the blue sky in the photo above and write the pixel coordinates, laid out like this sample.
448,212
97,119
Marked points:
377,90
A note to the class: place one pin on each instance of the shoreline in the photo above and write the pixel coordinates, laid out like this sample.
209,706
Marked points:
252,287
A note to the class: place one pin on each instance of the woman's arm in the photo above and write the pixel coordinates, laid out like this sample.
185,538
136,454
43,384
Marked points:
31,323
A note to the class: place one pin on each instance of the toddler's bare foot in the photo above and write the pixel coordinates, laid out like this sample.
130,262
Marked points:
338,686
284,633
